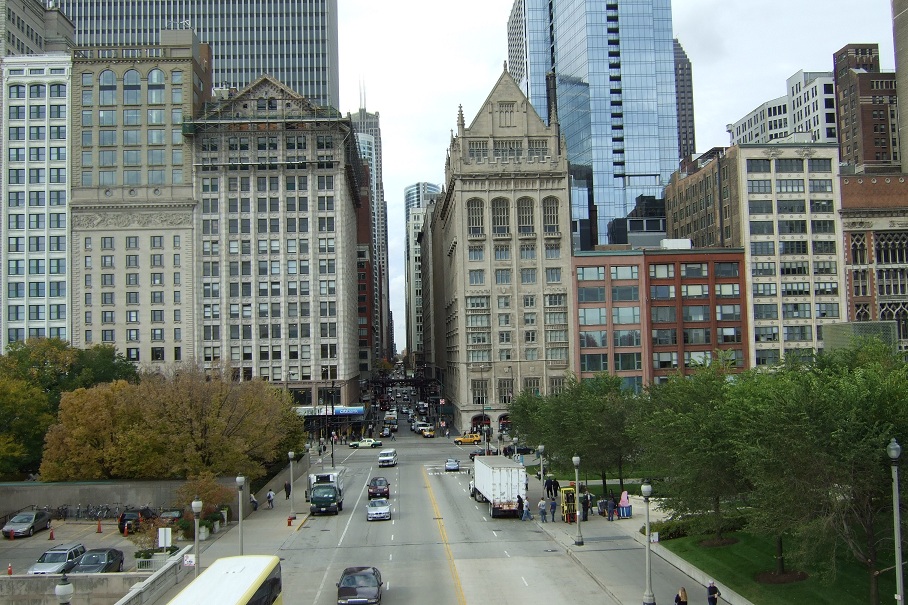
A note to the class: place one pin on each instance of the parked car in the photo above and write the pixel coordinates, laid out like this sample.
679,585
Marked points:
133,518
452,465
99,560
172,516
428,433
27,523
366,443
379,488
58,559
477,452
521,449
379,508
359,585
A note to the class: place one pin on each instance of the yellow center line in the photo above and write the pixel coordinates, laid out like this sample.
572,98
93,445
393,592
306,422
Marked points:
458,588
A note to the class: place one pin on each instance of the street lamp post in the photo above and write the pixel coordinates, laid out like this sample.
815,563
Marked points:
578,541
240,482
648,597
321,451
196,511
291,454
64,591
895,452
540,449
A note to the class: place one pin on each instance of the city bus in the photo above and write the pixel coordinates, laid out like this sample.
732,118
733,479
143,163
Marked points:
248,580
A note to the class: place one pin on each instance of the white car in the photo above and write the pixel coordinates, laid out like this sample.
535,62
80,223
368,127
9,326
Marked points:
378,508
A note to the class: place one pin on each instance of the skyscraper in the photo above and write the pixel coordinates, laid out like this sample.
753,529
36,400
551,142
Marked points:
614,93
684,89
294,41
416,198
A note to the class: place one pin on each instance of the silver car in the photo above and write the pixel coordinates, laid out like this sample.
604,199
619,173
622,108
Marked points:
27,523
58,559
378,508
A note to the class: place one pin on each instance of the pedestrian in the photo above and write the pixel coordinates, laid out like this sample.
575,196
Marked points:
393,438
527,512
526,483
553,506
447,433
548,487
287,489
542,509
520,506
253,502
712,593
585,503
270,497
681,597
610,507
556,486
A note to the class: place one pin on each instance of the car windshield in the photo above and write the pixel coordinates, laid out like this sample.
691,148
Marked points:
378,503
452,461
360,581
52,557
92,559
379,482
170,513
325,490
23,518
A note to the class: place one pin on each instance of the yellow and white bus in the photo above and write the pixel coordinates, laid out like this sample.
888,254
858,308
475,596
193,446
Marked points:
248,580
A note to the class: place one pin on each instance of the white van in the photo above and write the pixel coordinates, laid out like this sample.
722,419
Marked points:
387,457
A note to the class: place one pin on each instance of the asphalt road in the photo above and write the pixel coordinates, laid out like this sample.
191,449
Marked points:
440,546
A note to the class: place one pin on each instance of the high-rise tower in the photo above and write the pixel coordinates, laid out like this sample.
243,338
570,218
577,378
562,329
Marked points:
416,198
684,89
614,93
294,41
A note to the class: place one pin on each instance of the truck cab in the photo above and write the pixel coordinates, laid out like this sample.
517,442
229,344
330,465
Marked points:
325,492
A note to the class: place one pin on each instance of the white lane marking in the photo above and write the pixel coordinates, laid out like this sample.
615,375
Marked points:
355,507
476,506
494,533
507,555
391,557
484,519
392,537
524,581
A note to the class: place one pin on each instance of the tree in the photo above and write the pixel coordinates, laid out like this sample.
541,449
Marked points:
43,362
24,418
682,429
822,429
171,426
100,364
206,488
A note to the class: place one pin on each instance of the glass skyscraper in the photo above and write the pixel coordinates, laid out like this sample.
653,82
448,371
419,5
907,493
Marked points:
614,83
294,41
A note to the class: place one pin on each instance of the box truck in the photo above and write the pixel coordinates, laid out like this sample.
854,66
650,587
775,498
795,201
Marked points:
498,480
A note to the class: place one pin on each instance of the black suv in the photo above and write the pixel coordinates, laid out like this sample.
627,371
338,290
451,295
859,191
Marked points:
133,518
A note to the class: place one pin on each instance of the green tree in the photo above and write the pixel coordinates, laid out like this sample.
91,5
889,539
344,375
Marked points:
24,418
821,429
100,364
682,429
43,362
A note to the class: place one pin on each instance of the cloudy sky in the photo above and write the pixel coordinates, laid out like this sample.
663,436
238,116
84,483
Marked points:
415,62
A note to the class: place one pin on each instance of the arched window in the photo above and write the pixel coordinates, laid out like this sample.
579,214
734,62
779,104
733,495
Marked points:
107,87
155,87
550,215
475,222
501,220
525,219
132,88
37,91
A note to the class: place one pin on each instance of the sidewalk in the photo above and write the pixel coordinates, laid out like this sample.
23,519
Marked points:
613,554
264,532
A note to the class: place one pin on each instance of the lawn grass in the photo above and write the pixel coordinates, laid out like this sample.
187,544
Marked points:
737,565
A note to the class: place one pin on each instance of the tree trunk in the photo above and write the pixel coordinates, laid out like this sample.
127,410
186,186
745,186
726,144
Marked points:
780,556
620,472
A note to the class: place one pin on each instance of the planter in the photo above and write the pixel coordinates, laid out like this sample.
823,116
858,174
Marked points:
203,533
224,512
215,527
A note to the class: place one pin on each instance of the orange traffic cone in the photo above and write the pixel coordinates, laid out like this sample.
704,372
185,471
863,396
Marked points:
290,521
125,529
9,570
99,527
51,537
12,535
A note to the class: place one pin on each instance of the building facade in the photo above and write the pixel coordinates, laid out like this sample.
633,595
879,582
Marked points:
34,254
644,315
501,261
133,239
281,183
614,89
294,41
875,223
867,106
780,203
416,198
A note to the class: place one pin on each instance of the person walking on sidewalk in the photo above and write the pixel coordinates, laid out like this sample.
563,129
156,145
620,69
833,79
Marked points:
520,507
542,509
712,593
527,511
553,506
287,489
270,497
681,597
549,489
610,507
253,502
585,503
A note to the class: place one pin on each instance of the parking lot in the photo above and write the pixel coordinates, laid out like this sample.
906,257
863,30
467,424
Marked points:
21,553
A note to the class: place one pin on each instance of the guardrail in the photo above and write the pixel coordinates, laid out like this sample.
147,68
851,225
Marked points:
162,580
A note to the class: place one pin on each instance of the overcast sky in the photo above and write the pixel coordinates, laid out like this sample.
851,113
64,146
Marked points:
417,61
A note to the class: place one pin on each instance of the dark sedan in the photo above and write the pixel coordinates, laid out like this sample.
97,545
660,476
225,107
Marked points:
26,523
359,585
99,560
